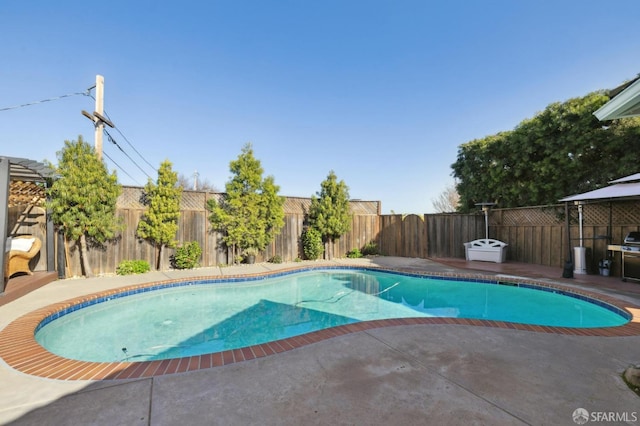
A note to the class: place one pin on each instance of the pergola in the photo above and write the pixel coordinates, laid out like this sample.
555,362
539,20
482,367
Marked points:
25,170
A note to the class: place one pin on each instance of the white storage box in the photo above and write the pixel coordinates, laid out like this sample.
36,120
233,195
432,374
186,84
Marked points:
486,250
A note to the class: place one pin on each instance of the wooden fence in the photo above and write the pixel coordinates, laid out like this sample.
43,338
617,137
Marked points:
535,234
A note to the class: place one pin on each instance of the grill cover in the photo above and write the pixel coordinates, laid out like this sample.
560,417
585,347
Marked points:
632,238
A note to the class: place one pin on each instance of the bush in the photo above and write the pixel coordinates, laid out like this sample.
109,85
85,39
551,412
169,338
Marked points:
370,249
312,246
276,259
354,254
129,267
187,255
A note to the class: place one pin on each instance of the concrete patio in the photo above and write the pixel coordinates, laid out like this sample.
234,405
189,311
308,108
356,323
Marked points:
419,374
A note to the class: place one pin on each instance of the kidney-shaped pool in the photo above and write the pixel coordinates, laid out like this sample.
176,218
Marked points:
199,317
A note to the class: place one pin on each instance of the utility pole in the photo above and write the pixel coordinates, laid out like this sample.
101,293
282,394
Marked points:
98,116
100,110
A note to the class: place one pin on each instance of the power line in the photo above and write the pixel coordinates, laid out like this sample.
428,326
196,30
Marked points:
44,100
113,141
127,140
132,147
120,167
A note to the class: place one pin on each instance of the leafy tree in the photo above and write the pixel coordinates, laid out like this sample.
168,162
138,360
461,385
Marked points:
330,212
83,198
160,222
187,255
251,213
561,151
311,243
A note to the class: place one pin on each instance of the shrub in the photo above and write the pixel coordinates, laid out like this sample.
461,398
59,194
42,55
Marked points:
354,254
312,246
276,259
370,249
129,267
187,255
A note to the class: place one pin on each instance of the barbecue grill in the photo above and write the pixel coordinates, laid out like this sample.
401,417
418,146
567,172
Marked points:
631,256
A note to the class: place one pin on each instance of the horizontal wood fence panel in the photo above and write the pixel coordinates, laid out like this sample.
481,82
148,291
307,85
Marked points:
535,235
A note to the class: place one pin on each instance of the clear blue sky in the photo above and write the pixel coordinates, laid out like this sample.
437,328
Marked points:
381,92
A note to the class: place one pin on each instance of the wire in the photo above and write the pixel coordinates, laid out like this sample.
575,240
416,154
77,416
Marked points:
88,93
44,100
113,141
127,140
120,167
136,151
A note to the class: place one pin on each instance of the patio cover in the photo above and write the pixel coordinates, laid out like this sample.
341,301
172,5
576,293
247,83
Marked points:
12,168
626,189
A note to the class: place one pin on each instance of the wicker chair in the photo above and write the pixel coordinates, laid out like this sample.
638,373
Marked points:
18,261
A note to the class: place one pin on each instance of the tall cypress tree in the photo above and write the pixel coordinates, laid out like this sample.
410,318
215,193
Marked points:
251,213
160,222
330,212
82,199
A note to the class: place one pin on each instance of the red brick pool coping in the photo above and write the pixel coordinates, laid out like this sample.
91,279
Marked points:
19,349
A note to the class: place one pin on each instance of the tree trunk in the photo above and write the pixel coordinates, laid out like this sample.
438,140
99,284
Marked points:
159,265
328,250
85,257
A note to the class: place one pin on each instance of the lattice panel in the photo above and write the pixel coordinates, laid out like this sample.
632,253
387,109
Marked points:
594,214
23,193
621,213
192,200
547,215
131,198
627,213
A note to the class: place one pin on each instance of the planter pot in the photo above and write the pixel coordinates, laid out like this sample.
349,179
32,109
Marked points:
251,259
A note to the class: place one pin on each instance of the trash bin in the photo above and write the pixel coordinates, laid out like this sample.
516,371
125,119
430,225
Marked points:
579,260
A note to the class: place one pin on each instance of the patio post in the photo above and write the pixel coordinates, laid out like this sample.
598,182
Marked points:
4,214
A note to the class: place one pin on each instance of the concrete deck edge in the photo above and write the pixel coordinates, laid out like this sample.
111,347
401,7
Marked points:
21,352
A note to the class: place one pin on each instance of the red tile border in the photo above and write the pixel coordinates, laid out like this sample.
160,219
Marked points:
20,351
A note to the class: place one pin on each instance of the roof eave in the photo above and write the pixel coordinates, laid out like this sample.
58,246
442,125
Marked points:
625,104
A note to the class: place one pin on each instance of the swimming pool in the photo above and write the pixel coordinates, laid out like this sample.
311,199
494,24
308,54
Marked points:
189,318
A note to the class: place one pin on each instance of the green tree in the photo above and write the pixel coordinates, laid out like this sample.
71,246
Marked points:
312,246
330,212
160,222
561,151
82,199
251,213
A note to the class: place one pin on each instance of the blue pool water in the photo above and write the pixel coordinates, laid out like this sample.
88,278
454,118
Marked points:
206,317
